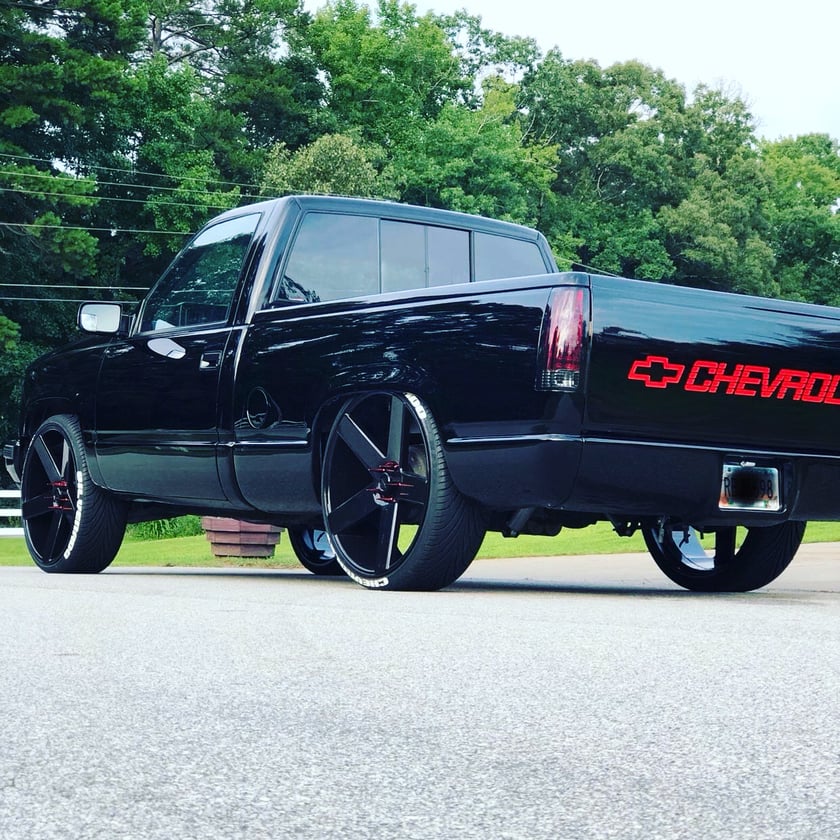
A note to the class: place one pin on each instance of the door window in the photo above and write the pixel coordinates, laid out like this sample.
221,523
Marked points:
334,256
199,286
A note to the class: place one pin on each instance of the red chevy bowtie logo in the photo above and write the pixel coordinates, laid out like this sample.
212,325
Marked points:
656,372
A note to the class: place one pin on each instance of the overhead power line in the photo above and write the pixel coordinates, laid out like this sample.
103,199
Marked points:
112,231
124,184
137,172
95,197
54,300
73,286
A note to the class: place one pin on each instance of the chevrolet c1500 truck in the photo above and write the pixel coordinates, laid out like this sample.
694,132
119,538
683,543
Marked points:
390,382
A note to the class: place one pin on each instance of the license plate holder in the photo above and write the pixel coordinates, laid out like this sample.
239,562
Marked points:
745,486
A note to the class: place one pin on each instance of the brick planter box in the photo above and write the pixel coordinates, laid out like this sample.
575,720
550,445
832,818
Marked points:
234,538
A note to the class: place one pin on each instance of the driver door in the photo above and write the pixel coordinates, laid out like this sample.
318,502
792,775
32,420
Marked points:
157,405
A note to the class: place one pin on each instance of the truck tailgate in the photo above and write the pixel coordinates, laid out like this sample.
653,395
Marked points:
710,368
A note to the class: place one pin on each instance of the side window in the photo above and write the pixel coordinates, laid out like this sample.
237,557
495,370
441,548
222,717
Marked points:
403,256
333,256
415,256
198,288
449,256
500,256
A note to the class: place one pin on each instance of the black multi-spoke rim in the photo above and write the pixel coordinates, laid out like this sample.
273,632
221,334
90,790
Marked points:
683,546
376,483
49,495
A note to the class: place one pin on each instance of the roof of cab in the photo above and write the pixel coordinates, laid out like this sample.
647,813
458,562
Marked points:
389,210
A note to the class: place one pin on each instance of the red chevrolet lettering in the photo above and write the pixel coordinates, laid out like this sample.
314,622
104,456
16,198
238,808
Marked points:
771,388
752,378
831,397
706,376
699,377
817,387
795,382
730,379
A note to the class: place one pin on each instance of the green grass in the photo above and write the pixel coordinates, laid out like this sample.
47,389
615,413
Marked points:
195,551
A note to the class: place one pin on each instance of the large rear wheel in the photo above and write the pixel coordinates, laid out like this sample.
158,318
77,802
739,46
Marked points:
392,513
70,524
729,565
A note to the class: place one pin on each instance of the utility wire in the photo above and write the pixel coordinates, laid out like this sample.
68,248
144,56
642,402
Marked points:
111,230
72,286
124,184
56,300
95,197
136,172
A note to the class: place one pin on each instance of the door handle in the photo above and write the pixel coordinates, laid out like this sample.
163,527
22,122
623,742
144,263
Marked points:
210,360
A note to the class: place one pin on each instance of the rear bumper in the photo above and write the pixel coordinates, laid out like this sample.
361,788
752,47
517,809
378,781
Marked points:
650,479
11,457
637,479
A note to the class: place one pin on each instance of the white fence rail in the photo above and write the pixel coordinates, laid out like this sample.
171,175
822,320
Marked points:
7,512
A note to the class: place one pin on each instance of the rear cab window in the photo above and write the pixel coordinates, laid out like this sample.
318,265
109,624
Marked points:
343,255
497,257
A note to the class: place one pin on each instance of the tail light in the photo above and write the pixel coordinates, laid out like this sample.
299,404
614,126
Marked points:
563,339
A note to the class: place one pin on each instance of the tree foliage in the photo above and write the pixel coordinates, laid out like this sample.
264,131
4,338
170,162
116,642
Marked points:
334,163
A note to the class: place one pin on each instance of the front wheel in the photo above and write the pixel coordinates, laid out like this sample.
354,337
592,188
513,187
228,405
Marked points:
70,524
313,550
761,557
393,515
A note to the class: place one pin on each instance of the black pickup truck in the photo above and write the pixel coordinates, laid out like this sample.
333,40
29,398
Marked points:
390,382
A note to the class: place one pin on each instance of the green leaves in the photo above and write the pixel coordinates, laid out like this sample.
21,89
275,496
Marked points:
475,161
334,163
9,334
383,77
803,216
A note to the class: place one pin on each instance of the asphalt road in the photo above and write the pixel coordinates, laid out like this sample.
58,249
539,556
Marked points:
567,698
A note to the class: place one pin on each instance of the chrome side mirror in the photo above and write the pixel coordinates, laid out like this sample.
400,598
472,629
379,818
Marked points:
100,318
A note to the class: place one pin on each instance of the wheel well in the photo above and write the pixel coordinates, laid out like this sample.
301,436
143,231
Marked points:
321,426
41,411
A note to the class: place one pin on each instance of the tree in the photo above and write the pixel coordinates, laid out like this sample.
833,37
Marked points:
716,232
205,34
178,183
334,163
482,53
386,75
804,219
715,235
9,334
251,58
62,81
651,184
474,161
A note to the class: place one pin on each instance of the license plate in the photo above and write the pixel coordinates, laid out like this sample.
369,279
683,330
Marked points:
745,487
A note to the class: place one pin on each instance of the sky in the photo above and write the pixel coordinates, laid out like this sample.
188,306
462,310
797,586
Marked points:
782,59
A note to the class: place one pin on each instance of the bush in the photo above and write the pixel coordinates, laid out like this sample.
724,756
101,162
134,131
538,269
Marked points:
164,529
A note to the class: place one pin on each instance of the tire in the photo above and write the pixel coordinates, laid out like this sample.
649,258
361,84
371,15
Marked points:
763,555
70,524
392,513
314,551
